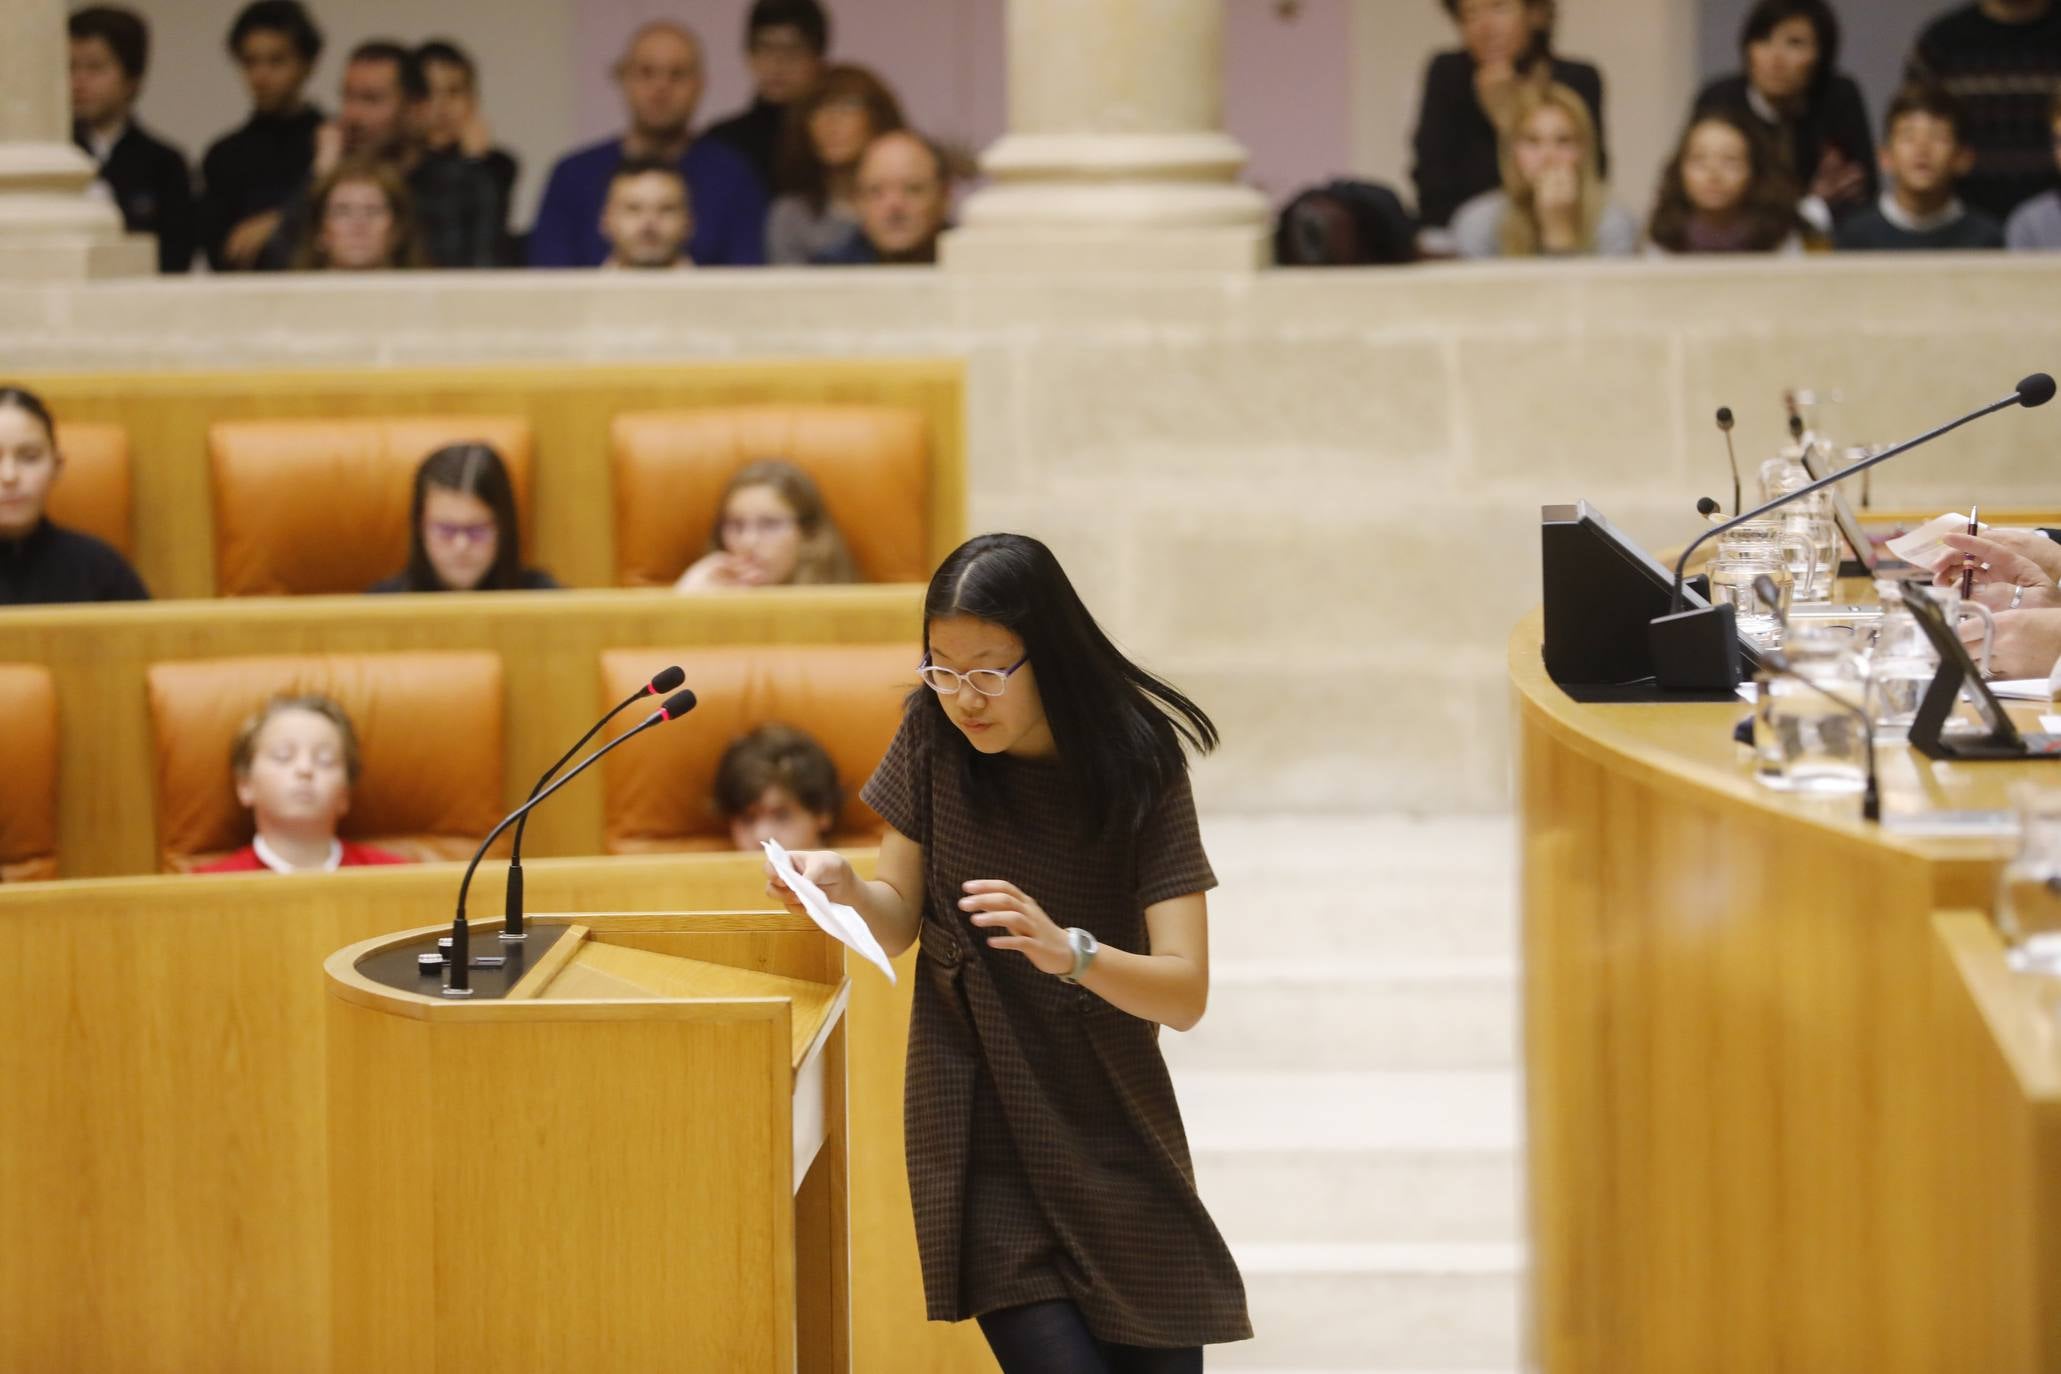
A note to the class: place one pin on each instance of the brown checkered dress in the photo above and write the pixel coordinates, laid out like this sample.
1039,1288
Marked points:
1045,1149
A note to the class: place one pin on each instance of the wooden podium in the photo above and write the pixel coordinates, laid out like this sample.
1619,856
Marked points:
626,1150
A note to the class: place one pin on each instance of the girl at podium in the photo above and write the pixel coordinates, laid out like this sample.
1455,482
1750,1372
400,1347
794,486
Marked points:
1044,855
295,761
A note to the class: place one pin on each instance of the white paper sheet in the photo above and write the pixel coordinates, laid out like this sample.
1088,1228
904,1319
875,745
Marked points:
2021,689
836,919
1923,547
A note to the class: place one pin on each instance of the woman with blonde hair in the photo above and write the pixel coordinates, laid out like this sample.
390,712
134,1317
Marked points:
772,529
360,219
1553,201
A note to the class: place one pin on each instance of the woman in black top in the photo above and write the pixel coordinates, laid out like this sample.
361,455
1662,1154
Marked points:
463,535
1792,88
39,561
1468,95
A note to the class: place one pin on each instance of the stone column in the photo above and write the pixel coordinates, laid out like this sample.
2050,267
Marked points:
1116,155
51,228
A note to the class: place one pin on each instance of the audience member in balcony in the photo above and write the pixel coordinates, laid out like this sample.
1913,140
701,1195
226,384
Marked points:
1726,191
295,761
359,219
1922,155
2001,59
450,125
904,187
1814,114
1470,98
772,529
2036,225
248,175
1554,202
647,220
661,79
777,783
784,45
148,179
463,534
832,127
41,561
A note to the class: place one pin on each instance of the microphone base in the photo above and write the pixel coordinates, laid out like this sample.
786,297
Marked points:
1696,650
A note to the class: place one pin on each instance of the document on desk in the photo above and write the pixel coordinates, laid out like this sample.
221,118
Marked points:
2022,689
836,919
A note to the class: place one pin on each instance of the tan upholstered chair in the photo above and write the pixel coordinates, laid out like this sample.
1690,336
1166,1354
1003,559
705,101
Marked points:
93,493
307,506
872,464
429,724
658,790
28,773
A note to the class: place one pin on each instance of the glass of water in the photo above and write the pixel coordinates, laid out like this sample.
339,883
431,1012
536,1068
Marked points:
1812,736
2029,887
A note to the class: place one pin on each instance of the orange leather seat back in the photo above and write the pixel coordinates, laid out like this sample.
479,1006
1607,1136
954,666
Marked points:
872,464
28,773
429,727
658,791
307,506
93,492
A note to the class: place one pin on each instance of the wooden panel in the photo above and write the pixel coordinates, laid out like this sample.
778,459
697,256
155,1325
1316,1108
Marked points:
602,964
550,645
568,407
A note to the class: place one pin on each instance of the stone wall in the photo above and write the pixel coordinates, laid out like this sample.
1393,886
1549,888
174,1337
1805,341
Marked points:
1309,498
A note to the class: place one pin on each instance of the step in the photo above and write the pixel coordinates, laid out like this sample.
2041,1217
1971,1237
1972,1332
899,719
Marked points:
1383,1307
1285,844
1350,1111
1451,915
1353,1014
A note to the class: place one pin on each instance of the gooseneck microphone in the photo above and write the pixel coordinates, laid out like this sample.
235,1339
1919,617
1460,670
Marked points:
1775,661
460,985
1724,424
1691,649
1710,510
664,681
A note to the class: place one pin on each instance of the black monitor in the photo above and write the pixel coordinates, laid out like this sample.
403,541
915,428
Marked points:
1958,675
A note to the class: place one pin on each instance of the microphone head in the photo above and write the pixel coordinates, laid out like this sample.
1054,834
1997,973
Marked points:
1764,587
666,679
1724,418
677,705
1706,506
2036,390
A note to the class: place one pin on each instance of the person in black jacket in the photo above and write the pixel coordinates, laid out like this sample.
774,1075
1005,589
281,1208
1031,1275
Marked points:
784,44
148,178
1468,96
1792,88
41,562
2001,59
250,173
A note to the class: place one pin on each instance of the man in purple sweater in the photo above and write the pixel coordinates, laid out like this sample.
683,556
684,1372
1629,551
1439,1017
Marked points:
661,77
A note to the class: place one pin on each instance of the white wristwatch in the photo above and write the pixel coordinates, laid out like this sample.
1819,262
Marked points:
1085,948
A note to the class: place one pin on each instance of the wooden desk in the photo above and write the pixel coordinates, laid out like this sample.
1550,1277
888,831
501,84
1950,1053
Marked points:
1741,1090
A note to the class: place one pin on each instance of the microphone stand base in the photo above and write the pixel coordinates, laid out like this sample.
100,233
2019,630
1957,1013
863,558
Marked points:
1695,650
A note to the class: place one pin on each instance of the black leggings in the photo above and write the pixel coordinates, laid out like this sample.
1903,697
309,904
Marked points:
1052,1338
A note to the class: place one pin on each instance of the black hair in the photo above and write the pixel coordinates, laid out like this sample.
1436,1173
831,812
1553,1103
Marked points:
1767,15
286,17
1927,98
1541,45
1119,730
124,32
20,398
448,53
477,471
805,15
407,67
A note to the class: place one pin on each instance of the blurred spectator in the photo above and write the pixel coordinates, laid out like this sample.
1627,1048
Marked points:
450,125
358,219
2036,225
1792,88
784,44
772,529
1727,191
1554,201
1470,97
463,534
148,179
661,78
247,176
833,124
1923,151
295,761
777,783
1345,223
39,561
905,200
2002,60
646,219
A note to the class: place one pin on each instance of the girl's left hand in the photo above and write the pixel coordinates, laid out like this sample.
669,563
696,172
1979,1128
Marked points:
1022,924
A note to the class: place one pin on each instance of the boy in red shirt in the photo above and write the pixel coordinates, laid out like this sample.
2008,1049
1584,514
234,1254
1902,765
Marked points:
295,762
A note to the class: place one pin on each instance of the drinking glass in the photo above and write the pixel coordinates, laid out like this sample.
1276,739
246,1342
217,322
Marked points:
2029,886
1805,741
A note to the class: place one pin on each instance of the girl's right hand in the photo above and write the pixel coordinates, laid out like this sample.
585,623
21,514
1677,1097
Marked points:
713,572
826,868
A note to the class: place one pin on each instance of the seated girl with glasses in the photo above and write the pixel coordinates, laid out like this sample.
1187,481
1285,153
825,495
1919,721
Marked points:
777,783
295,761
463,532
772,529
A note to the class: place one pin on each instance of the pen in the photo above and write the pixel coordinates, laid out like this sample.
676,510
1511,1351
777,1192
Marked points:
1968,563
